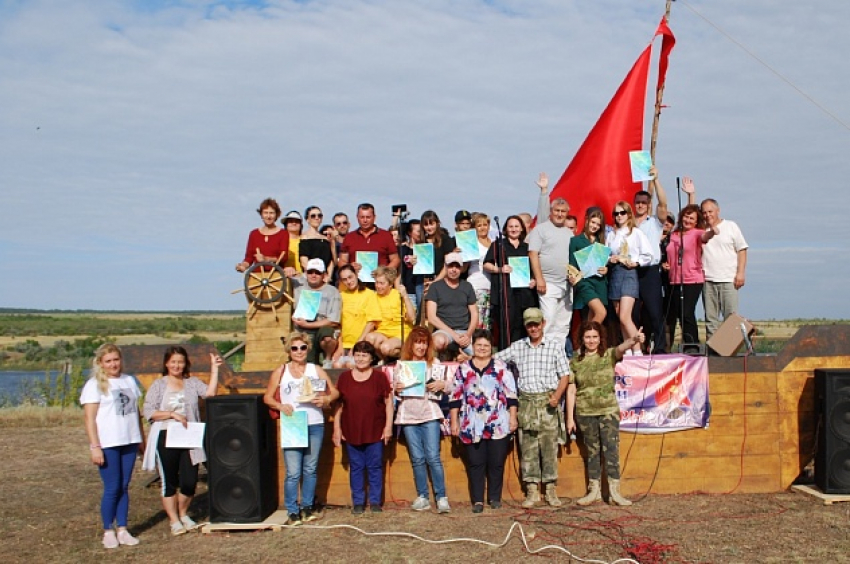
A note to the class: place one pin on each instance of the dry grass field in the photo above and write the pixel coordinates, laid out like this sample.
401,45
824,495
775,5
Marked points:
50,498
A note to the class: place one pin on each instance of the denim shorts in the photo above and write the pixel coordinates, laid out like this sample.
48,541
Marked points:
623,283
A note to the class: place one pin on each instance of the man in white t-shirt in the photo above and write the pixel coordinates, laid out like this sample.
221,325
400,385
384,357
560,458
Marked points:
724,260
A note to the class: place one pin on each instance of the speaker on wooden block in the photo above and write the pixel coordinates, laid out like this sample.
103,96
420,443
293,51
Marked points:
732,334
241,447
832,462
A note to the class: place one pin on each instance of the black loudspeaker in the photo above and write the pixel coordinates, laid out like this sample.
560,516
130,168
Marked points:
832,462
241,458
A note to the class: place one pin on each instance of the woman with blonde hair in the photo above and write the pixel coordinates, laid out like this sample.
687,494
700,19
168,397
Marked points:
293,381
110,404
630,249
397,313
476,274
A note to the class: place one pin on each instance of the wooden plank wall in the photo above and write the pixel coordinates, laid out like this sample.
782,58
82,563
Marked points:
761,434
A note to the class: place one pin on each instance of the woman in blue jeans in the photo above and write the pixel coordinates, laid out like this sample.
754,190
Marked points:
296,395
420,419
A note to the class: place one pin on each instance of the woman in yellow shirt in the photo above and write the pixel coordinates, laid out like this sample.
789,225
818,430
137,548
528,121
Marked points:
360,315
397,313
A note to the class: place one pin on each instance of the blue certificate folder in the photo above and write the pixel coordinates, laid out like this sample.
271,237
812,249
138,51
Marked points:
293,430
640,162
368,260
411,374
308,305
467,241
520,272
424,254
591,258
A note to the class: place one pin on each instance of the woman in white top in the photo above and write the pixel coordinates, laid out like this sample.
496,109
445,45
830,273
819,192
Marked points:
476,275
630,248
420,418
303,387
173,400
110,404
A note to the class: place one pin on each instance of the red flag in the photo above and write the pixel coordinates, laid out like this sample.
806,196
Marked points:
600,173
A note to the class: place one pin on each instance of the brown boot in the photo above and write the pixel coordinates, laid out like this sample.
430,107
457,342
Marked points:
594,493
552,495
614,493
532,495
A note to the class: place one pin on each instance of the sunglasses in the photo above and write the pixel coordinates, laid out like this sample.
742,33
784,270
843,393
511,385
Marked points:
338,223
315,272
294,348
641,202
621,212
316,215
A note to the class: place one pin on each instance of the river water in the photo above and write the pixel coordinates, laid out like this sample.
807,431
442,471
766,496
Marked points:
17,384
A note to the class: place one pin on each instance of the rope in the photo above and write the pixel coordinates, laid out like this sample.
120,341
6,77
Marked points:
768,67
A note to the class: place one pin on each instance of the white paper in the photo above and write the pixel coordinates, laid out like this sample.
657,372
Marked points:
185,437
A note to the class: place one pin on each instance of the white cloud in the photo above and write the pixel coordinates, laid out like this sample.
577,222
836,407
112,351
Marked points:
161,129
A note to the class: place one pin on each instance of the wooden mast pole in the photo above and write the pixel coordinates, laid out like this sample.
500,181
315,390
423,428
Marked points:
659,94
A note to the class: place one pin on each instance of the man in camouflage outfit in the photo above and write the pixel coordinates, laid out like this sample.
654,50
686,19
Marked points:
543,376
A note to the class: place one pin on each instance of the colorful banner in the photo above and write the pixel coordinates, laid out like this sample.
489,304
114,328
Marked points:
660,394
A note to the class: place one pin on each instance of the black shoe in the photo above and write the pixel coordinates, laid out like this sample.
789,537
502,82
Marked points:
376,509
294,520
495,504
358,510
478,508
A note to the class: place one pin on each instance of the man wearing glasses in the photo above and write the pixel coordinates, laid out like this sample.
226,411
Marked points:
322,328
341,226
649,277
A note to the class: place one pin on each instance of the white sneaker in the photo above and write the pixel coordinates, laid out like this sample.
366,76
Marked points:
443,505
421,504
177,528
327,364
109,539
188,523
125,538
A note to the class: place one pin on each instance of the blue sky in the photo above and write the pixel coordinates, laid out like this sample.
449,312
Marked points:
139,137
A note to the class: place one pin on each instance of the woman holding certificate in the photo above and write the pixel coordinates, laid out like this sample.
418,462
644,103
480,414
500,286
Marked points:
476,274
304,390
484,406
508,299
420,415
110,403
630,249
590,291
360,314
173,401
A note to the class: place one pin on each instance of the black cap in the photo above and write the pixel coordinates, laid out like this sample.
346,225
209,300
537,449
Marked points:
463,215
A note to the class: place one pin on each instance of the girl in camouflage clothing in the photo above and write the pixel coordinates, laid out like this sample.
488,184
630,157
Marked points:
592,404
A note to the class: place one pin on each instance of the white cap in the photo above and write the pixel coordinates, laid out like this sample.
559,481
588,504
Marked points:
315,264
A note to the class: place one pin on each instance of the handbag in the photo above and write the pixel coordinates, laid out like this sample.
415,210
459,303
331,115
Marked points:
273,413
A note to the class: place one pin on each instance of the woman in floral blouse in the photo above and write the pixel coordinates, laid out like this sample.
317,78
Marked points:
484,414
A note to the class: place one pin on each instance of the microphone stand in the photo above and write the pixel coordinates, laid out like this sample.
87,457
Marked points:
499,256
679,262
